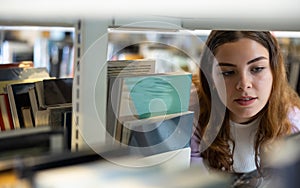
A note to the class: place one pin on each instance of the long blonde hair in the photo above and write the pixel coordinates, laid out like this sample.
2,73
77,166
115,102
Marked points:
274,122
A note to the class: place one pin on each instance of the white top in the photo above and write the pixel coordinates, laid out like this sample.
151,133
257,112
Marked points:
294,117
244,153
244,136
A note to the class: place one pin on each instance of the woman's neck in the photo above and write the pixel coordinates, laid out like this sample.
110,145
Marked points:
245,121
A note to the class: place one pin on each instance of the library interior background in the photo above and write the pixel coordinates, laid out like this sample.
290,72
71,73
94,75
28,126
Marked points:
39,139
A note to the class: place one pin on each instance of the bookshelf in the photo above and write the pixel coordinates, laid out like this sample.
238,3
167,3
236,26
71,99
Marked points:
32,142
91,44
91,69
90,83
90,58
90,52
43,138
28,132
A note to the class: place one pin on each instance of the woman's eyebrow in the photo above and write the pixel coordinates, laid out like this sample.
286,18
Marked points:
249,62
257,59
220,64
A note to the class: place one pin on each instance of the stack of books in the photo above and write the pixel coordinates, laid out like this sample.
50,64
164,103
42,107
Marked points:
40,103
13,75
31,111
30,98
149,110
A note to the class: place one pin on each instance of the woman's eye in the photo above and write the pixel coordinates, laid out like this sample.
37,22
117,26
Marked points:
227,73
257,69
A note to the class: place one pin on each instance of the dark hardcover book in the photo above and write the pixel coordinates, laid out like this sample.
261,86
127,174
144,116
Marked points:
67,125
57,92
159,134
54,92
20,102
56,115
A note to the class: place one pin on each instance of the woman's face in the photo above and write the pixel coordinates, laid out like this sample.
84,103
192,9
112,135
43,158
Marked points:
245,67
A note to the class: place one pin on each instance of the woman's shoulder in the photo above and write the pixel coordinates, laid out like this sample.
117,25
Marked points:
294,117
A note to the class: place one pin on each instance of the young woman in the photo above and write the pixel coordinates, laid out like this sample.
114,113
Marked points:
245,101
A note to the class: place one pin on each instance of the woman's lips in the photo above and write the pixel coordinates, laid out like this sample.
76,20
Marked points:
245,101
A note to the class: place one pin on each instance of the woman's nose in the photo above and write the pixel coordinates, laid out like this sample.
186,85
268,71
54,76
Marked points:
244,82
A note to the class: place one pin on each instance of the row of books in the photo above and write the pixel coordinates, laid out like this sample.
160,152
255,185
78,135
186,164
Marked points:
145,108
29,97
11,74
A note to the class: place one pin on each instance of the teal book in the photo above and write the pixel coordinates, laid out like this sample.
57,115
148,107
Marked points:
144,96
159,94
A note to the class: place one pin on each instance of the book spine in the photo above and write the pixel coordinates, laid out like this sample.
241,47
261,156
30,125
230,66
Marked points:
5,110
26,114
113,101
8,110
125,134
2,127
40,96
13,107
33,102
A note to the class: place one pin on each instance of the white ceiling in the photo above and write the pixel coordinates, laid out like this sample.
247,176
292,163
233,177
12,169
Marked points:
194,14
